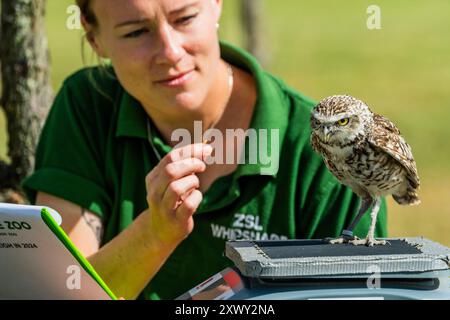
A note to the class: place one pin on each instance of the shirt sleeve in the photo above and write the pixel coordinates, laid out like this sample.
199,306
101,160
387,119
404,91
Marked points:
68,160
334,207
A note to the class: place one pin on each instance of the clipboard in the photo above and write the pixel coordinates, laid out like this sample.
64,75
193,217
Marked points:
38,261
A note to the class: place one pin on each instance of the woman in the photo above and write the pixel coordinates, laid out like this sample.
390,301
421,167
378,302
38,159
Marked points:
107,160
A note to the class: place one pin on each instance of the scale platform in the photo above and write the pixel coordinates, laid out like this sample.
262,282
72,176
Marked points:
410,268
315,258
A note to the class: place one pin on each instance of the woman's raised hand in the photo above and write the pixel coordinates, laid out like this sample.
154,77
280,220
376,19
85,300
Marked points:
172,192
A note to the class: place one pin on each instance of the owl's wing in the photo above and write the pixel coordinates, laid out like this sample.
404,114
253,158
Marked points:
386,136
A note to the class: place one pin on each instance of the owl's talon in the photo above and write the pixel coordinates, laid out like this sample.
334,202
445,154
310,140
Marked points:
358,242
374,242
370,242
341,239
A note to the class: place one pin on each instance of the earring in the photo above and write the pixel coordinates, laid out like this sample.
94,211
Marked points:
217,25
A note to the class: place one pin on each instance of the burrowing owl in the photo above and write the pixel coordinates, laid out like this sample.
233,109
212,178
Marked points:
365,152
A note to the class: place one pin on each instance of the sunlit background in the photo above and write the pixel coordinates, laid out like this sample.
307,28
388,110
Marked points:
324,47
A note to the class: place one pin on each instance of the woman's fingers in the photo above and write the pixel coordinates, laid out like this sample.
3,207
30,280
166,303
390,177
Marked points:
176,165
178,190
197,150
172,191
188,207
182,168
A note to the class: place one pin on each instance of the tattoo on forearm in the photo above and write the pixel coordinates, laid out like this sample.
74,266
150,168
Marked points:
94,223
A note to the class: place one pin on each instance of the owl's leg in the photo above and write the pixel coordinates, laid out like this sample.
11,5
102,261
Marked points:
347,234
370,239
371,235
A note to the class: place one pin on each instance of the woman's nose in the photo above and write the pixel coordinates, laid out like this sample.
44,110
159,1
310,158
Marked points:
171,49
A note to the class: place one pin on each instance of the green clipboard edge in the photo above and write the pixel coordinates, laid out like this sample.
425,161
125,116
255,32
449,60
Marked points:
59,232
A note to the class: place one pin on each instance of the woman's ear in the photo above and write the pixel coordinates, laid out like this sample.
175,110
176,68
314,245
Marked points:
217,5
92,39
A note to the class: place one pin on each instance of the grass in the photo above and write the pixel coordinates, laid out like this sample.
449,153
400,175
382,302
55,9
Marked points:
430,219
322,48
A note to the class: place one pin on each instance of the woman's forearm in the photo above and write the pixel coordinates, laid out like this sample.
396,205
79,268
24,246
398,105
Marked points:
130,260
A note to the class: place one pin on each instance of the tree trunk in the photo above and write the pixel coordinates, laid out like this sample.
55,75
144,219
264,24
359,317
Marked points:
252,17
26,89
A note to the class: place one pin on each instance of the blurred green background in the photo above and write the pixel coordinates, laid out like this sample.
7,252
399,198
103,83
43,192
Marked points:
324,47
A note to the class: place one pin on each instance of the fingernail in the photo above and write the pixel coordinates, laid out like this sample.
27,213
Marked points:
207,150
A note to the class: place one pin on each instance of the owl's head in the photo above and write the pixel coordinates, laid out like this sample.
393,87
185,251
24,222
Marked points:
340,119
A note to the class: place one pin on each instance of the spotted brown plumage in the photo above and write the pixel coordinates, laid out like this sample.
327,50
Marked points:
366,152
386,136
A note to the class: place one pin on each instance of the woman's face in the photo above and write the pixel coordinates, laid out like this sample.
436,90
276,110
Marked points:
165,52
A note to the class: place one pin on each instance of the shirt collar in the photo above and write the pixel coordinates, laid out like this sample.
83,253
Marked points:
271,113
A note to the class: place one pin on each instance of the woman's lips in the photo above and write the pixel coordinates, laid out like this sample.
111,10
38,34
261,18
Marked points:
178,80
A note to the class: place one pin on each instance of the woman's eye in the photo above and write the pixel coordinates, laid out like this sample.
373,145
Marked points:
186,20
343,122
136,33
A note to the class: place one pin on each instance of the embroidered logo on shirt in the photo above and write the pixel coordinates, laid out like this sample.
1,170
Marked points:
244,227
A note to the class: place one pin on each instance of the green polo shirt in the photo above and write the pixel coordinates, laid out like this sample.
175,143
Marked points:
94,151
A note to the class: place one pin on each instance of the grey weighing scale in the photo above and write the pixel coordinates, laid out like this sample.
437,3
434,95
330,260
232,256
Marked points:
408,268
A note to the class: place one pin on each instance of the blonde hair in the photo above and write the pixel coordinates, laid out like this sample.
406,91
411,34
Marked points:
87,12
90,18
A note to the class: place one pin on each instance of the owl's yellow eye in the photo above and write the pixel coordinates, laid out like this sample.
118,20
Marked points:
343,122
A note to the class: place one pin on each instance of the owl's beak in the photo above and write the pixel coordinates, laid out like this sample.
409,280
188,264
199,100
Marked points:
326,134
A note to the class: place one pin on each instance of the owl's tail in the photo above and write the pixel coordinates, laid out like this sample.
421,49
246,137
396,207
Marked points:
410,197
